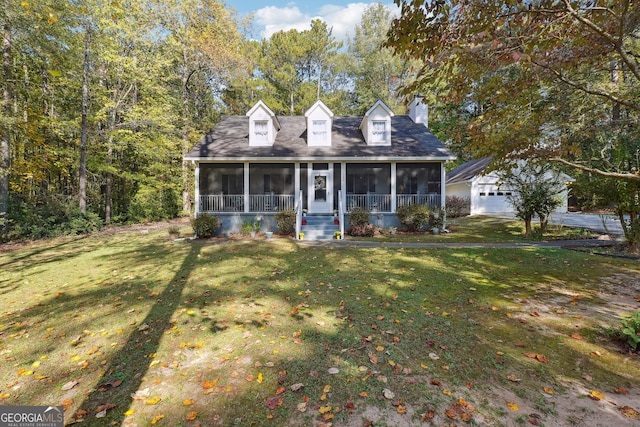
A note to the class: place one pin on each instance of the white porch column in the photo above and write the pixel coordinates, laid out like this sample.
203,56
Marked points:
443,181
196,193
343,184
246,186
296,182
394,191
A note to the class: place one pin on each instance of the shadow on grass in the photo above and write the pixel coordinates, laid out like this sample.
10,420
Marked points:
133,361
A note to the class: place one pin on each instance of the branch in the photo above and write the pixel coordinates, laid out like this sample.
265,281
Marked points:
595,171
585,89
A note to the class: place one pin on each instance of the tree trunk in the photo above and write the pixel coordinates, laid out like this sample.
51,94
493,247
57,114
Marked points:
82,181
4,133
527,226
186,191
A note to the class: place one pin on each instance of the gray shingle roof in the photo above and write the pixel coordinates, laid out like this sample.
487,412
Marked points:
468,170
229,140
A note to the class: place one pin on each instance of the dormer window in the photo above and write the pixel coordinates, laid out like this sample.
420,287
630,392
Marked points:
376,125
318,119
261,130
379,131
263,125
319,129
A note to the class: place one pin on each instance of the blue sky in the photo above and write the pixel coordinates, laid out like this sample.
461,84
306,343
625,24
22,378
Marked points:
271,16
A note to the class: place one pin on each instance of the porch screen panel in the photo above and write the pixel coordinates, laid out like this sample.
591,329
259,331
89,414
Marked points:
276,178
414,178
221,179
369,178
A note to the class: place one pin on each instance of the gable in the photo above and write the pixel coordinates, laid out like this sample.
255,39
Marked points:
263,125
376,125
319,120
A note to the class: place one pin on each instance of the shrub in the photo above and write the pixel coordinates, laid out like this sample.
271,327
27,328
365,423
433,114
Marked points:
414,217
246,227
367,230
49,217
205,225
286,221
457,206
359,217
631,329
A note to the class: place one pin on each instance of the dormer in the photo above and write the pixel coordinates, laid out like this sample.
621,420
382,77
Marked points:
376,124
319,120
263,125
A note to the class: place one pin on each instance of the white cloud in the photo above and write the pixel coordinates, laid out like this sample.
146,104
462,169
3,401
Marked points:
342,19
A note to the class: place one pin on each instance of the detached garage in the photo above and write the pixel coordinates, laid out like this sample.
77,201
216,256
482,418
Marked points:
484,192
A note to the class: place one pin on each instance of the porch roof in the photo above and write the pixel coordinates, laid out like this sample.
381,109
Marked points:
229,140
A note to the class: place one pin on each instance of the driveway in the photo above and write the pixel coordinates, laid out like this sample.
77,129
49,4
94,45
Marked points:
601,223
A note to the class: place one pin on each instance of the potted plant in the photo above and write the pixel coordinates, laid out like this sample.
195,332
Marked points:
337,235
246,228
268,234
304,212
392,230
301,236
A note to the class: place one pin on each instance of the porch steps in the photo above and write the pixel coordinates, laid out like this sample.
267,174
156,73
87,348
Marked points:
319,227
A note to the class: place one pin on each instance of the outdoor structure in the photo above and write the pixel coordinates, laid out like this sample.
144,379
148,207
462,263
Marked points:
319,164
484,191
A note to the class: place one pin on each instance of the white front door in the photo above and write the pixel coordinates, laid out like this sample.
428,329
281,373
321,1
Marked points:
320,191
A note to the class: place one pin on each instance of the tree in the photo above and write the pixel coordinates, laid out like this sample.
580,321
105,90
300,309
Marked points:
378,74
535,190
515,62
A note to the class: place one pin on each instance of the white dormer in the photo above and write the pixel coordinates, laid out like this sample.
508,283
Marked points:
419,111
319,121
376,124
263,125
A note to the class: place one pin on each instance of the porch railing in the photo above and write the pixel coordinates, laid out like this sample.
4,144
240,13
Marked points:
235,203
382,202
431,200
379,202
222,203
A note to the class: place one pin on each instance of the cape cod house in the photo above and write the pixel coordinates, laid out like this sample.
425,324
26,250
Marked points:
318,164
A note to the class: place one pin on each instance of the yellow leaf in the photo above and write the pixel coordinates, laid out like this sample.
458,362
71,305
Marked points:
130,412
191,416
512,406
35,364
597,395
188,402
259,378
324,409
157,418
379,348
391,362
362,394
153,401
446,392
548,390
5,396
326,389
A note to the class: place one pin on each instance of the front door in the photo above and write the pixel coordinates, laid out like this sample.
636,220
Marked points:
320,188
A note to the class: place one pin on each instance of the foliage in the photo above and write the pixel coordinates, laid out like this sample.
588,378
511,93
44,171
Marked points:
286,221
535,190
631,329
415,216
246,227
53,216
556,80
205,225
359,217
367,230
457,206
152,204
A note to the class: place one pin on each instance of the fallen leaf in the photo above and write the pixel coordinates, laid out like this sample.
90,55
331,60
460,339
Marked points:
401,409
373,358
548,390
130,412
333,371
157,418
513,378
188,402
577,336
621,390
324,409
281,390
273,402
363,394
629,412
388,394
297,386
596,395
153,401
70,385
451,413
514,407
66,403
429,415
191,416
302,407
433,356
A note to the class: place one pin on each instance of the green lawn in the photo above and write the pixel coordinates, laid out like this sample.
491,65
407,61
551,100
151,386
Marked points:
132,329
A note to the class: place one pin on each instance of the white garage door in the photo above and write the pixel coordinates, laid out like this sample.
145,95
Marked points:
491,199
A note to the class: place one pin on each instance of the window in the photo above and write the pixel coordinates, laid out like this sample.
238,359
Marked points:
361,183
379,132
261,130
319,130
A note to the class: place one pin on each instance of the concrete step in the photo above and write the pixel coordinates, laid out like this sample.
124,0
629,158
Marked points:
319,227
